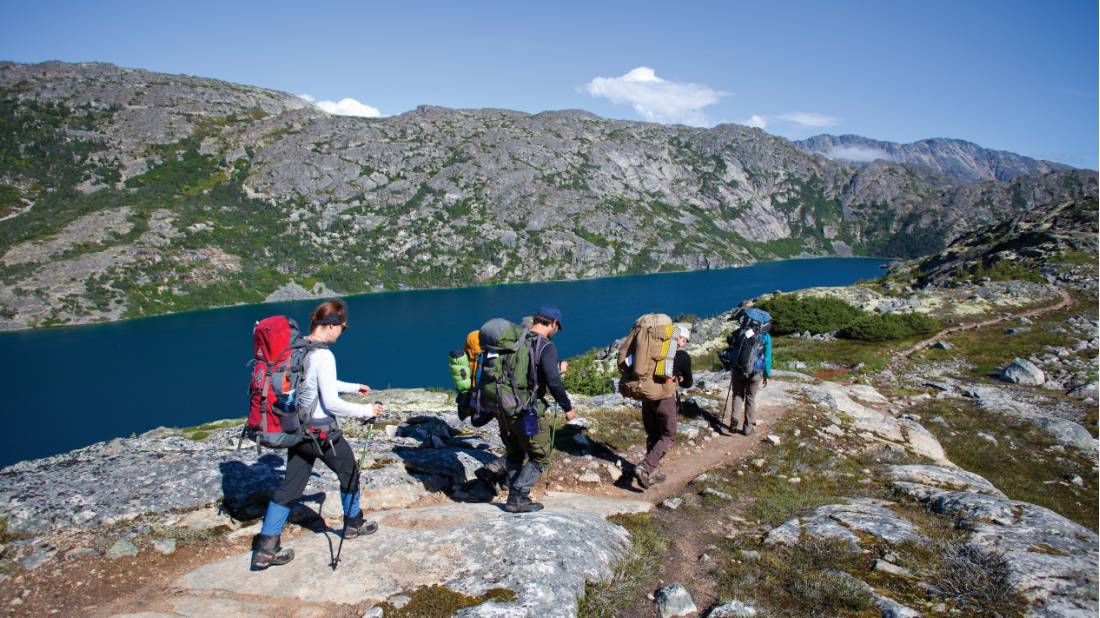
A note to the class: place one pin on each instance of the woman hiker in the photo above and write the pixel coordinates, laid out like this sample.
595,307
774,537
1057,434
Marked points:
319,388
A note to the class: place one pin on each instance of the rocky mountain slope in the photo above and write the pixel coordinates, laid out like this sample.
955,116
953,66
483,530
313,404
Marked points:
958,159
1033,237
127,193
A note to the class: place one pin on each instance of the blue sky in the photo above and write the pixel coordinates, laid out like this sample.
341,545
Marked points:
1018,76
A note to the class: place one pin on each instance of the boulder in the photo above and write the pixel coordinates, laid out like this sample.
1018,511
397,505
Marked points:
1023,371
675,600
122,548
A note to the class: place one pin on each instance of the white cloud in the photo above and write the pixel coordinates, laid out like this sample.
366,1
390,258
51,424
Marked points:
657,99
861,154
344,107
808,119
755,120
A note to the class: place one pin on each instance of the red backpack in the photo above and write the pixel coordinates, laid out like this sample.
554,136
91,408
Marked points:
278,367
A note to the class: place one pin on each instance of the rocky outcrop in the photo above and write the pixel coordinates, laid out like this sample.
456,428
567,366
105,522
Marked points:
844,522
1036,235
469,548
1052,561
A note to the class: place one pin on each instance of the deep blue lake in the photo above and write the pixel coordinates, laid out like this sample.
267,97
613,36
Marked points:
70,387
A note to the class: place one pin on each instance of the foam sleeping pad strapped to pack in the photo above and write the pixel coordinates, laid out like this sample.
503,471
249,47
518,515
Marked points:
461,375
646,358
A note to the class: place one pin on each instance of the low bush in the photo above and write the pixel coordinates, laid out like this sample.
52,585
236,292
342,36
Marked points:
587,375
890,327
796,314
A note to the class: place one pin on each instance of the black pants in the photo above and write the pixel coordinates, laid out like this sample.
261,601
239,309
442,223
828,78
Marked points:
299,463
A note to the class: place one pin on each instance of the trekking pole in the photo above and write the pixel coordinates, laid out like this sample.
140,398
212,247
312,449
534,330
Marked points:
363,454
553,436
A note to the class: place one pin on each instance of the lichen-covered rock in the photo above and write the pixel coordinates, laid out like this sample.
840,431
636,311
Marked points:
1023,371
842,522
733,609
1052,561
469,548
675,600
1001,400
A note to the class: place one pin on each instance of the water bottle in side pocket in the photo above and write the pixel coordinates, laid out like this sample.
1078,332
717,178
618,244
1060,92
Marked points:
529,422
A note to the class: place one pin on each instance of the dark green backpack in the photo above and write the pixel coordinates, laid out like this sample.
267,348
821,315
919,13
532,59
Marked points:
509,357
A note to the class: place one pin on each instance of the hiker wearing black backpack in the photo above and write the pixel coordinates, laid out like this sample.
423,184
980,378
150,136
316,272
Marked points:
750,362
519,367
319,403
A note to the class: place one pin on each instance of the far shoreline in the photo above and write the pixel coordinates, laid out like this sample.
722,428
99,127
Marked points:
68,326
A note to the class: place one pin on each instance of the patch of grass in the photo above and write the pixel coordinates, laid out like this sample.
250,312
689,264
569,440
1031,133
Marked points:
838,352
442,602
977,580
989,349
1021,464
605,599
1006,270
1075,258
825,473
805,580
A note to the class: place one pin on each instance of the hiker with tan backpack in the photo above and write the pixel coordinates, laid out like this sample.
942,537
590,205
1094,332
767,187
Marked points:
647,365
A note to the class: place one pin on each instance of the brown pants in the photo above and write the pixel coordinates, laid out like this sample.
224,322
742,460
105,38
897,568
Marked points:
659,420
743,392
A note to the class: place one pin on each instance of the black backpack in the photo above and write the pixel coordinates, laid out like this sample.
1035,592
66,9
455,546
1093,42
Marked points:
746,343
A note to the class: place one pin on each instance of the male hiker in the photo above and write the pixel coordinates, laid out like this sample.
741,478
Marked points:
527,435
750,357
659,416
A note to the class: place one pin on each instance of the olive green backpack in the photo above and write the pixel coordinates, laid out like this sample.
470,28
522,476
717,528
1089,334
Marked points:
509,357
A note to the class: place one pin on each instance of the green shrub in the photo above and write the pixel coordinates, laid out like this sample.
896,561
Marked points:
795,314
890,327
1006,270
587,376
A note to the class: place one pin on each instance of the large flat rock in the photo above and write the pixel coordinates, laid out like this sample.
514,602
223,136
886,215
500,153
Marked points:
544,557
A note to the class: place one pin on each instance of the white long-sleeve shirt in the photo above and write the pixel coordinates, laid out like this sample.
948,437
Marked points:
321,379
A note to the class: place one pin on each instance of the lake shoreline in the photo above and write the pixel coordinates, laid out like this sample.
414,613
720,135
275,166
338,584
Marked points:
101,322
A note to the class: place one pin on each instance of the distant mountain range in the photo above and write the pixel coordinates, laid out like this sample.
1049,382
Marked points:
126,193
958,159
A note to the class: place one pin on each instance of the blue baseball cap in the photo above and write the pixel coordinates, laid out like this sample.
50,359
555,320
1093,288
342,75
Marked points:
550,312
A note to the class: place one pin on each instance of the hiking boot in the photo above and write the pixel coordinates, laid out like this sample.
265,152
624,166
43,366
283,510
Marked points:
749,430
521,502
657,478
266,551
357,526
642,476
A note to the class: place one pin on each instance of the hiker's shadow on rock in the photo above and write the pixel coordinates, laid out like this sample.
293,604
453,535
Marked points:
690,409
247,488
566,440
449,469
